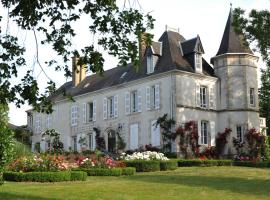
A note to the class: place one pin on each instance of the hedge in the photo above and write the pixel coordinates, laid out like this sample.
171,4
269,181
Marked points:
206,163
168,165
78,176
143,165
101,171
262,164
128,171
44,176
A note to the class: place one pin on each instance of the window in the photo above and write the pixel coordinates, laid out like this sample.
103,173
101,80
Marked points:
152,97
204,132
30,120
90,111
203,99
240,133
74,115
134,101
74,140
150,64
90,141
111,107
198,61
38,124
252,96
49,122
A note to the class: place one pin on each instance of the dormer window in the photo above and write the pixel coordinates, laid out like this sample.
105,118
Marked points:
198,62
150,64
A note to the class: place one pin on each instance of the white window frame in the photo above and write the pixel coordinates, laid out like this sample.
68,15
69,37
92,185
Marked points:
74,115
204,132
198,62
38,124
150,64
49,121
203,96
152,97
252,96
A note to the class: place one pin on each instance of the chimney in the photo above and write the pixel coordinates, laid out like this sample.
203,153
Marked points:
78,71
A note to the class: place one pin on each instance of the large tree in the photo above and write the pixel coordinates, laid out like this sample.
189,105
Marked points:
6,139
118,26
256,29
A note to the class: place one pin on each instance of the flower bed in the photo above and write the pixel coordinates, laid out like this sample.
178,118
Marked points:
40,163
197,162
44,176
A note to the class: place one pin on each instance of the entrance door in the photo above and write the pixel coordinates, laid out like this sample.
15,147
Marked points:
111,141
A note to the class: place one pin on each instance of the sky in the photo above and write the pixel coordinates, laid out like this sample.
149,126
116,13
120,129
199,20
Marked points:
204,17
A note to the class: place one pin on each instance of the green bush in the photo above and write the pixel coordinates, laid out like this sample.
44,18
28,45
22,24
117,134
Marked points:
1,180
168,165
262,164
101,171
78,176
128,171
189,163
43,176
206,163
143,165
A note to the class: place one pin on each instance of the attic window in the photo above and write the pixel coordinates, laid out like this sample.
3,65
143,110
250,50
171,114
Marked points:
123,75
198,62
150,64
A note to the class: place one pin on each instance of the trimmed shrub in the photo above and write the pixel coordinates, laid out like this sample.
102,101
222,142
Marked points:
78,176
206,163
44,176
262,164
128,171
143,165
189,163
168,165
225,162
101,171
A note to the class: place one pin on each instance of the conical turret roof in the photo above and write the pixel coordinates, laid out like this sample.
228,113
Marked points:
232,42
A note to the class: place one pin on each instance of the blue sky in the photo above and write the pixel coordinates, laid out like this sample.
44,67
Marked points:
204,17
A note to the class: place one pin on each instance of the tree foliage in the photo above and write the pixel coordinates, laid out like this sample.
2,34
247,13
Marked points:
118,30
256,29
6,138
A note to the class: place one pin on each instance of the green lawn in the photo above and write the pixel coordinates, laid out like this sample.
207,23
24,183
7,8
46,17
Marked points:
209,183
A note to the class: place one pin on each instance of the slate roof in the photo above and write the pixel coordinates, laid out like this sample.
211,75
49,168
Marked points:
169,58
231,41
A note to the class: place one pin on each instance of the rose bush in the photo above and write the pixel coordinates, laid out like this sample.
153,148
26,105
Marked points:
38,163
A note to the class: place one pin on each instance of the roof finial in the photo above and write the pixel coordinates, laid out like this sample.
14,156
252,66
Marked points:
231,5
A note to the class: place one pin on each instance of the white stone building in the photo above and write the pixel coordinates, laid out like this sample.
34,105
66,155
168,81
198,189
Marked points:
173,79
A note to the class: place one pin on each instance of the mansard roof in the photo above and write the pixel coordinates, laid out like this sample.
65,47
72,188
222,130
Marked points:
169,58
191,46
231,41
